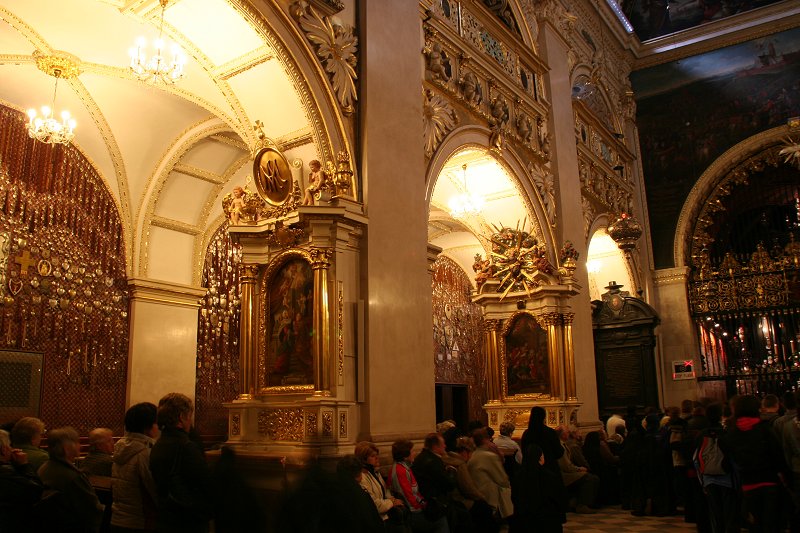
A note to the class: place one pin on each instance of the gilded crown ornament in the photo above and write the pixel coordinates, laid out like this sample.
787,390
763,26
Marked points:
625,231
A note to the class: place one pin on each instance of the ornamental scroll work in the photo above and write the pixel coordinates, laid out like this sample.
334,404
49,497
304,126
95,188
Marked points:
336,47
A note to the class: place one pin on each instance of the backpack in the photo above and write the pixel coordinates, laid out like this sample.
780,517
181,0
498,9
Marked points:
708,457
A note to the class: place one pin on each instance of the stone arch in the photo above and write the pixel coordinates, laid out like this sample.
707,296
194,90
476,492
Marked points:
707,184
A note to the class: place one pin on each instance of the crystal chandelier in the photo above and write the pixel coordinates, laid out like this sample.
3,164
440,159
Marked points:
47,128
158,69
465,204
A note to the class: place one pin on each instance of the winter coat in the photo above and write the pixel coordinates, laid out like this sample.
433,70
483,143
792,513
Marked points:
84,509
134,488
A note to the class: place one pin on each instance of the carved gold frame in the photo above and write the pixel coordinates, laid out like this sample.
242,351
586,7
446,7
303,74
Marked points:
506,328
261,368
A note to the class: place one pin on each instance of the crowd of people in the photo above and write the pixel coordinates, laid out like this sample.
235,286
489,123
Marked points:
158,472
725,467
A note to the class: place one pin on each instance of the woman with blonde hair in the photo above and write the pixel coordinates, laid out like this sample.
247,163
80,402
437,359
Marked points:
372,482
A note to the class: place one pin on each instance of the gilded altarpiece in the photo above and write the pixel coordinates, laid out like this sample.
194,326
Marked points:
457,333
526,302
297,361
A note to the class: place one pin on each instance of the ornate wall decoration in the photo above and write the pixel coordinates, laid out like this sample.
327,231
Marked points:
516,260
311,424
281,424
437,63
457,332
343,425
545,185
438,118
236,424
503,11
218,334
336,46
327,424
340,332
65,283
588,215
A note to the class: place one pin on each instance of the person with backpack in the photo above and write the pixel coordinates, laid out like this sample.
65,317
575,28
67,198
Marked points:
716,476
758,459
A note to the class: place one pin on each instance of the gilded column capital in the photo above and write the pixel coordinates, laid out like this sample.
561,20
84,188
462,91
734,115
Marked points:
492,324
548,319
568,318
248,271
320,257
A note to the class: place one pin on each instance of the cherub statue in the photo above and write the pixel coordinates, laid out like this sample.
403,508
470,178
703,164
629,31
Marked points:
235,205
483,270
524,127
317,181
438,62
471,89
242,205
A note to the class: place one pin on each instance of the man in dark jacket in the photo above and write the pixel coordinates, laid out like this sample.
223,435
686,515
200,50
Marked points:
83,510
179,470
20,489
429,470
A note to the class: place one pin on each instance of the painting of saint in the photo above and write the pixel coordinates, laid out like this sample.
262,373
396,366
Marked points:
527,365
291,302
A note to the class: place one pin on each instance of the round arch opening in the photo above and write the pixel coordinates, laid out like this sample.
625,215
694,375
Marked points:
484,178
606,263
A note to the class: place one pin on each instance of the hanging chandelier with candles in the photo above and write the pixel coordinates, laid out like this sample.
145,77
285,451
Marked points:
47,128
465,204
158,69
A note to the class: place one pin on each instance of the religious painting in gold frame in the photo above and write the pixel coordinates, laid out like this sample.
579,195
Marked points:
525,362
286,359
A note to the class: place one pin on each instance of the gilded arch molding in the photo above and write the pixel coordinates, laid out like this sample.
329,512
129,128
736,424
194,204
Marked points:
734,165
477,137
329,128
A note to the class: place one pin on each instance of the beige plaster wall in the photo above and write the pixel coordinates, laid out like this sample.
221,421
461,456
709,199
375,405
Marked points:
397,288
676,334
163,348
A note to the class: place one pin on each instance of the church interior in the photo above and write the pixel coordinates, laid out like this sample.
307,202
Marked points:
335,220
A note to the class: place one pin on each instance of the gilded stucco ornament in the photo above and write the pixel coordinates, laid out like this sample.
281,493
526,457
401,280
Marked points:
471,89
242,205
336,47
438,118
545,185
588,215
498,119
437,63
516,259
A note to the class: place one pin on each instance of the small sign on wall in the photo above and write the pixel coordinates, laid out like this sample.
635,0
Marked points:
683,370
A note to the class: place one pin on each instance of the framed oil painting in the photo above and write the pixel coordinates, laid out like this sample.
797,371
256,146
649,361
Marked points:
289,361
526,364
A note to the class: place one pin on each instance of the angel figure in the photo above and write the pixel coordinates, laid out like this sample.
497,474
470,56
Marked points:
317,180
235,205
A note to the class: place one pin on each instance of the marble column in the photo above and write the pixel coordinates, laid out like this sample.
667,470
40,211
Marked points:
162,355
399,364
493,387
570,225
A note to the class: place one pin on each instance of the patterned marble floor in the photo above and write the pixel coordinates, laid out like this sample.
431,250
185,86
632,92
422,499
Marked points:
614,520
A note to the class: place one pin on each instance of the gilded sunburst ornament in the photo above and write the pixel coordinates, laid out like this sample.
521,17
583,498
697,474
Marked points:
792,152
336,46
517,257
439,118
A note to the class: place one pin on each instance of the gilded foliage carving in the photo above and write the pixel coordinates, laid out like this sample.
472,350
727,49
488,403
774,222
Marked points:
327,424
311,424
336,46
439,118
545,185
281,424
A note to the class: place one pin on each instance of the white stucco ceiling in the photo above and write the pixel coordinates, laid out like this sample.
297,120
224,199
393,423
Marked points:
136,134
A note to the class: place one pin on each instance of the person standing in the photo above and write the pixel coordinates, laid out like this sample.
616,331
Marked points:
133,508
179,469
